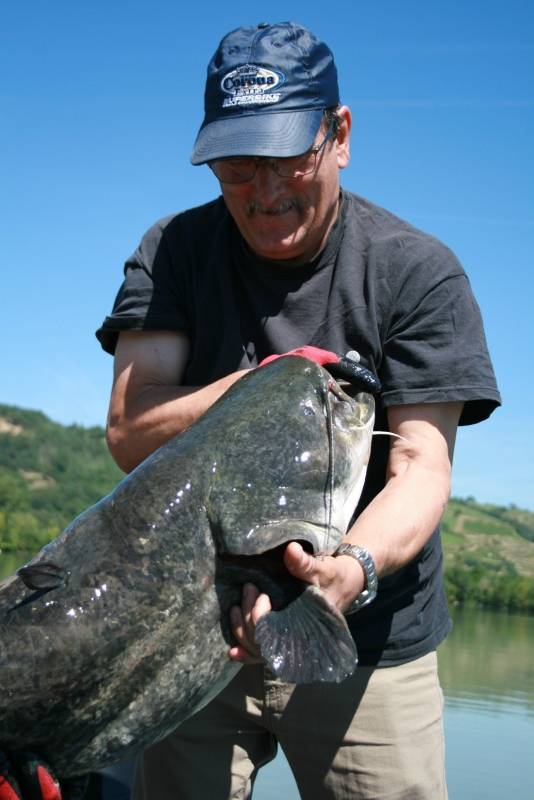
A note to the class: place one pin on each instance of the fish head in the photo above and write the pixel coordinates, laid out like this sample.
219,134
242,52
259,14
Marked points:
352,422
295,463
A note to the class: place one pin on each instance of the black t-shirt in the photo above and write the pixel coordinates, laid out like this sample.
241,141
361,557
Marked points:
381,287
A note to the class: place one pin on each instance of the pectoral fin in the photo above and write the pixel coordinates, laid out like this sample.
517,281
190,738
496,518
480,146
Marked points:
307,641
43,575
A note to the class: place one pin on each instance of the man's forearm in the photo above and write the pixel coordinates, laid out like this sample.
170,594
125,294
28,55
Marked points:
142,419
399,521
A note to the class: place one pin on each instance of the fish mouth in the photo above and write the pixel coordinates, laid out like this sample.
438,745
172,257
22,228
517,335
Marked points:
317,538
349,412
335,389
274,555
303,638
339,407
266,570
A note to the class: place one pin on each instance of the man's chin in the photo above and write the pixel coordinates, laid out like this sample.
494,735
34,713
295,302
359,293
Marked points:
283,244
279,250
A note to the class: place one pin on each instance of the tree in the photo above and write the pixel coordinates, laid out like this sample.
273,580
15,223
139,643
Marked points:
12,498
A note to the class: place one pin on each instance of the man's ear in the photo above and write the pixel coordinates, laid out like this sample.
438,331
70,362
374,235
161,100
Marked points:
343,137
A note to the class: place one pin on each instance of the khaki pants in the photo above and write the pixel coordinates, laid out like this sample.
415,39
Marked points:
378,735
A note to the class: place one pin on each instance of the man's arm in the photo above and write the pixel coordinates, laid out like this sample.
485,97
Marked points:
393,528
148,405
403,516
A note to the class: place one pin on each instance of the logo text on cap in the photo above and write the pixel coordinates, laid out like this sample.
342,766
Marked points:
251,84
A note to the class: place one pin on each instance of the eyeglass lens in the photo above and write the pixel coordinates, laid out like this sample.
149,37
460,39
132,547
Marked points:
243,168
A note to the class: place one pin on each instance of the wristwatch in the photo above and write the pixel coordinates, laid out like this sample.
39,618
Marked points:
365,560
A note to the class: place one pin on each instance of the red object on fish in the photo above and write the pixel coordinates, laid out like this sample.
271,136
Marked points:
316,354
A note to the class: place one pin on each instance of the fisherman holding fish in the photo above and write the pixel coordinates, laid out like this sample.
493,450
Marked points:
285,259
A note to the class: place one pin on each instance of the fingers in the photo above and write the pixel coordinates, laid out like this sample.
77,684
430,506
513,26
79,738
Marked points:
243,620
306,567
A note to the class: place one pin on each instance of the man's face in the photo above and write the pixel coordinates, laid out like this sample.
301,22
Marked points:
290,218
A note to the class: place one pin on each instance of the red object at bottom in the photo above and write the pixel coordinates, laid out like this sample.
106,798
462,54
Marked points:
7,792
49,787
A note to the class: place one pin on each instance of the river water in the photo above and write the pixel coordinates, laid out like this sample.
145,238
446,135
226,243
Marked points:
487,673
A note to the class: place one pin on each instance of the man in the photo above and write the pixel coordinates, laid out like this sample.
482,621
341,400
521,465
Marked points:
286,259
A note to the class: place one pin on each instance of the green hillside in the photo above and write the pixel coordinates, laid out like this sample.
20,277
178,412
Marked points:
49,473
489,555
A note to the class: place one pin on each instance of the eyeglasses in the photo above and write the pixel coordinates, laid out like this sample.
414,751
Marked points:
243,169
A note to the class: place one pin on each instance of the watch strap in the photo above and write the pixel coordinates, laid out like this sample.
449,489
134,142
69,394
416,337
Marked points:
365,560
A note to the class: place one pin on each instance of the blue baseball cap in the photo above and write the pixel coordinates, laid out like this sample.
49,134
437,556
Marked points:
266,91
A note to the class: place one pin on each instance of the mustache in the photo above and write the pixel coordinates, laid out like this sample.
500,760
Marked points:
253,207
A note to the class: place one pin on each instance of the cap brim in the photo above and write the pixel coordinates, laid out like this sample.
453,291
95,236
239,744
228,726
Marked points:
281,134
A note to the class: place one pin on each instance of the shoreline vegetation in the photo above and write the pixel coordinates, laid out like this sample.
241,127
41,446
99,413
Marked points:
49,473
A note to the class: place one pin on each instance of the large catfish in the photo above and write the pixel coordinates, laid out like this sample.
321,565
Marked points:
119,629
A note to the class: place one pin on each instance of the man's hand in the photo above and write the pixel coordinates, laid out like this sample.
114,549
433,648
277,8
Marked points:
243,620
341,579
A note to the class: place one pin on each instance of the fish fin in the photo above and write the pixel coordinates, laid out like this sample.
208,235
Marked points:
307,641
42,575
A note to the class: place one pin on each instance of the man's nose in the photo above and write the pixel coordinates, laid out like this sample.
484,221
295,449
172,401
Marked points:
266,182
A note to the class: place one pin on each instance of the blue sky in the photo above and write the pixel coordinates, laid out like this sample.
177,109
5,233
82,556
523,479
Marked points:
100,103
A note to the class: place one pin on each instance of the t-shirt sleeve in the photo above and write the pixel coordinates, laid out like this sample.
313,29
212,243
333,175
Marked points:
435,348
151,296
